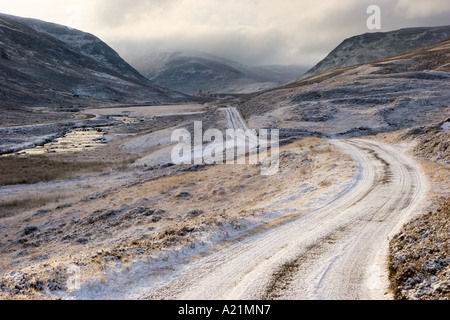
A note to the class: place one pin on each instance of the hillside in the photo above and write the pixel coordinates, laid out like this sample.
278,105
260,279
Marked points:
45,64
398,92
378,45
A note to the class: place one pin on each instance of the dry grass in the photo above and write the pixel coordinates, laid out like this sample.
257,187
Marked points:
11,207
43,168
325,183
438,173
175,211
420,257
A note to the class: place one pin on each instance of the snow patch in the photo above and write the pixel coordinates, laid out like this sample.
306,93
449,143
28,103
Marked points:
438,73
445,126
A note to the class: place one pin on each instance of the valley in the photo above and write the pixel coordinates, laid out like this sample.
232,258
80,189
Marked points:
92,205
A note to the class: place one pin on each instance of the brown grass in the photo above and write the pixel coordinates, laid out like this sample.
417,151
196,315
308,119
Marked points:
187,206
11,207
325,183
420,256
42,168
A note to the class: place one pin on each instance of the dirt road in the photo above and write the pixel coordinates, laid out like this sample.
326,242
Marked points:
337,251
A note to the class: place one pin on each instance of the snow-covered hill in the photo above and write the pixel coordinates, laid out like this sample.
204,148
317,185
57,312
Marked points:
190,72
45,64
403,91
379,45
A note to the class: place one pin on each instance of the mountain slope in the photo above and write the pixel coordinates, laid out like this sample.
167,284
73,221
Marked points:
399,92
190,72
48,64
379,45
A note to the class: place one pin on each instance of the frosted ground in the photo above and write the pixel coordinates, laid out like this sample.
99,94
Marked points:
136,217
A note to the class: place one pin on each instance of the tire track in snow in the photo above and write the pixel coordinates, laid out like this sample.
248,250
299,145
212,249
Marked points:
337,251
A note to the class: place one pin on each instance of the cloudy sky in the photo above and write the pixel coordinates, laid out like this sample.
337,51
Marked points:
249,31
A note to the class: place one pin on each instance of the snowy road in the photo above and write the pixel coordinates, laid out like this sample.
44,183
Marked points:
234,119
337,251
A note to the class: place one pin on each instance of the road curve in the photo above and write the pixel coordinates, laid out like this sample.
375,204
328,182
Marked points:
337,251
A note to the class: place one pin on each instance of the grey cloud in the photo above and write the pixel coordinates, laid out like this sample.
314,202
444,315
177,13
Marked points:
114,13
250,49
308,38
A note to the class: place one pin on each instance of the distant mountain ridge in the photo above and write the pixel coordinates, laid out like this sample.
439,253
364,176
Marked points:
191,71
378,45
44,63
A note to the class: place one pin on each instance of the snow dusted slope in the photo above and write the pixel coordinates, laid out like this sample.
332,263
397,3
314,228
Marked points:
190,72
86,44
407,90
48,64
379,45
